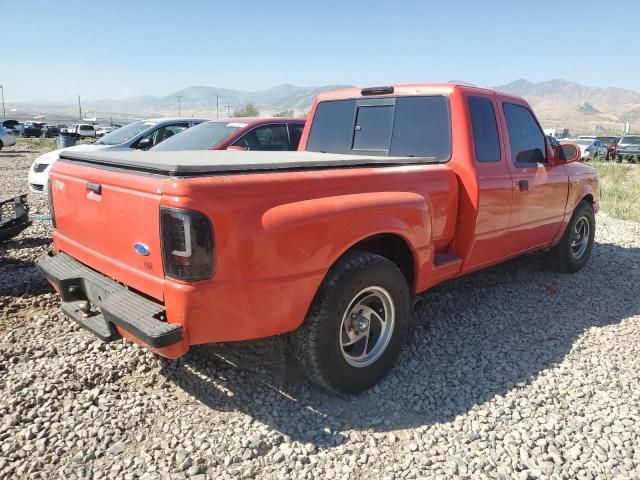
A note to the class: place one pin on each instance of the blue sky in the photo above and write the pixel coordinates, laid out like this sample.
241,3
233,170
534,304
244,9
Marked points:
116,49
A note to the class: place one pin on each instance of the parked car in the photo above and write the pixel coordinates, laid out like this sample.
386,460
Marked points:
7,138
628,148
273,134
101,131
10,124
601,148
138,135
416,187
82,129
590,148
611,144
31,130
34,123
50,131
15,126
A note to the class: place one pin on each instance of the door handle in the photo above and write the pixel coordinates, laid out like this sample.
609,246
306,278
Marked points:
94,187
523,185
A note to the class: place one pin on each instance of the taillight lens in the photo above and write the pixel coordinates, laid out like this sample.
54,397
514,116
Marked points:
187,244
50,200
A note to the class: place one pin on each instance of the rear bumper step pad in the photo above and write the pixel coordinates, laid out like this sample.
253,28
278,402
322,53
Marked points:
111,303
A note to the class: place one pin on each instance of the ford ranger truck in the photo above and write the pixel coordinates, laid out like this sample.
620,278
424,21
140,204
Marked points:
394,189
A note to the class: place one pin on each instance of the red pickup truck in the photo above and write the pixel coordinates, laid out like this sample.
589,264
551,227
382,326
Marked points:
395,189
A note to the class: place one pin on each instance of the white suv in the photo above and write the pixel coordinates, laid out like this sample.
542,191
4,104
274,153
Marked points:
82,129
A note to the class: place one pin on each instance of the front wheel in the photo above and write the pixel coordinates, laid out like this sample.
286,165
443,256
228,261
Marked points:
574,250
356,325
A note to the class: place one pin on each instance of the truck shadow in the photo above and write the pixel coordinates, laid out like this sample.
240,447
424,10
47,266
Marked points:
475,337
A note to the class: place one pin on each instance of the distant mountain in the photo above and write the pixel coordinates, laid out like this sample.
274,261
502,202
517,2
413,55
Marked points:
202,98
557,103
586,107
569,93
579,107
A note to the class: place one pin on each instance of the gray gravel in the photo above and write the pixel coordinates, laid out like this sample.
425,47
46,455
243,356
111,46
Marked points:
514,372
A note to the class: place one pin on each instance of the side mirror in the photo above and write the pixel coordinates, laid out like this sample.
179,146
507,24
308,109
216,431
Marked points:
237,148
568,152
144,144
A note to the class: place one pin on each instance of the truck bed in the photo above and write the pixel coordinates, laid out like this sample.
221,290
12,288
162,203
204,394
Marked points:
197,162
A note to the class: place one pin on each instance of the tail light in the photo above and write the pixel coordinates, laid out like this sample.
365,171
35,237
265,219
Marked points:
187,244
50,200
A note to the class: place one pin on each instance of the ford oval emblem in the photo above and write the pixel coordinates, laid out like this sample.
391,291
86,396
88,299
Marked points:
141,249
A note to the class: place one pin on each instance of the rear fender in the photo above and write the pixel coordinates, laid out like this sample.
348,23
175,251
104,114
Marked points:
316,232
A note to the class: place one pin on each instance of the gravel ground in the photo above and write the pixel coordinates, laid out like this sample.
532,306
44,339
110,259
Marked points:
514,372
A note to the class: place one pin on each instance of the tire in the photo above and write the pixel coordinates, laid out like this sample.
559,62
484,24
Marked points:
574,250
358,279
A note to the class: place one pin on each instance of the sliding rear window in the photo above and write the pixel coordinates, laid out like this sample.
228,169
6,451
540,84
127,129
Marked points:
415,126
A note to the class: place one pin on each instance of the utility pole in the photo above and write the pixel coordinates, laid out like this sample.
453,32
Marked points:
178,97
217,106
4,113
229,109
79,108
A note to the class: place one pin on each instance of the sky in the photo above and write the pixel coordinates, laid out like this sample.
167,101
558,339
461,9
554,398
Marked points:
116,49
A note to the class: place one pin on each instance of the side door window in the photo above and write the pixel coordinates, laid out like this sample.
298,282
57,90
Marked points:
267,137
295,133
598,147
526,140
166,131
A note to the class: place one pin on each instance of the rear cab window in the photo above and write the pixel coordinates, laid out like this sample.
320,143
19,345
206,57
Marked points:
411,126
485,129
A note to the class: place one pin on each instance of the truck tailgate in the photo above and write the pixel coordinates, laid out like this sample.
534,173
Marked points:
110,221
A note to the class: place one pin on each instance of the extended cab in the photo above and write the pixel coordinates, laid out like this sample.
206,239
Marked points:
396,189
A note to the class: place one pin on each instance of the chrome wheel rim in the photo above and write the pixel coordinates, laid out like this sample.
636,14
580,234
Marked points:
367,327
580,238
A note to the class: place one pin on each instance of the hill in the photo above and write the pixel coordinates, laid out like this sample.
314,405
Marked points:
581,108
203,99
558,103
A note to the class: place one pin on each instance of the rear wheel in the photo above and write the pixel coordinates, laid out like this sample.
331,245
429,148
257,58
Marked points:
356,325
574,250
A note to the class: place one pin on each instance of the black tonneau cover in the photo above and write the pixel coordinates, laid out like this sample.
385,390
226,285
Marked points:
199,162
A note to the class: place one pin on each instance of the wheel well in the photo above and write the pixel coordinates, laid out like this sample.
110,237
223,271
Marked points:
392,247
588,198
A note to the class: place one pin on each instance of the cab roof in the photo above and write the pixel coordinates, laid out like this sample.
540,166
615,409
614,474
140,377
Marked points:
407,89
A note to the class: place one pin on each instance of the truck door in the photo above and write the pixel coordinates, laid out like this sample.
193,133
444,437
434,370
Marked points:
539,188
494,183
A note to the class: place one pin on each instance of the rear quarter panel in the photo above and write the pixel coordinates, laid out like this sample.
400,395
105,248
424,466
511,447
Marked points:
277,234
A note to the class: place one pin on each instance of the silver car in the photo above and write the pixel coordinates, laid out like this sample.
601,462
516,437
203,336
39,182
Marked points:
628,147
7,138
140,135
